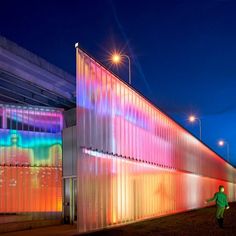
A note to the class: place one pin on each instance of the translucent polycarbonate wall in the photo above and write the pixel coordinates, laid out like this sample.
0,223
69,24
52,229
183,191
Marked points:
130,153
30,159
117,191
30,189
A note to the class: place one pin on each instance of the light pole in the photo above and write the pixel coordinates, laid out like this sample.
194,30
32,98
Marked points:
193,119
116,58
224,143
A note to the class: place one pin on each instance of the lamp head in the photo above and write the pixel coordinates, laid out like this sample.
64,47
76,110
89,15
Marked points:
116,58
221,143
192,118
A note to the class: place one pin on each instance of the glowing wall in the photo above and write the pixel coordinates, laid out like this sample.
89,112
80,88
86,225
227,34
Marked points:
30,189
118,191
128,148
30,159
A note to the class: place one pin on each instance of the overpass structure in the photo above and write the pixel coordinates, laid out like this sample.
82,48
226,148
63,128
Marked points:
25,78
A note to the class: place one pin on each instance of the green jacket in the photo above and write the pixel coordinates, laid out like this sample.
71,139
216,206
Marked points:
220,198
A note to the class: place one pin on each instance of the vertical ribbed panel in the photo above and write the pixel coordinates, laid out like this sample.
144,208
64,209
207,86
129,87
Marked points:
30,159
134,162
117,191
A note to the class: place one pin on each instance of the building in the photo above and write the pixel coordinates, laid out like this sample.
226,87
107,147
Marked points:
32,116
108,158
134,162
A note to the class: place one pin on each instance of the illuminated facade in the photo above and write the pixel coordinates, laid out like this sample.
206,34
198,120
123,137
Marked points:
128,160
134,162
31,161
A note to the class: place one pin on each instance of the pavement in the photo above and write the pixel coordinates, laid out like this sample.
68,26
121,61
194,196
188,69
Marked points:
197,222
59,230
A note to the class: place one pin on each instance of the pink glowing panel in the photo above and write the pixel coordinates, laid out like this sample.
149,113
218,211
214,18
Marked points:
30,118
116,119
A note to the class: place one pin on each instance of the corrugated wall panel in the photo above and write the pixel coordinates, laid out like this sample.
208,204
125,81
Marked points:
131,190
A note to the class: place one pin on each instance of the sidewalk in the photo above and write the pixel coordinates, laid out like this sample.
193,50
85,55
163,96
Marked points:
61,230
198,222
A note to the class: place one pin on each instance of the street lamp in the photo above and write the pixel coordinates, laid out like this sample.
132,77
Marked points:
116,59
224,143
192,119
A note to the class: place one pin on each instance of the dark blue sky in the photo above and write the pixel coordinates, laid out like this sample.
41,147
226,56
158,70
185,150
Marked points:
183,52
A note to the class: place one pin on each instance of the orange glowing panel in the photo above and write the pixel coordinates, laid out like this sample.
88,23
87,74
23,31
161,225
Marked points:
30,189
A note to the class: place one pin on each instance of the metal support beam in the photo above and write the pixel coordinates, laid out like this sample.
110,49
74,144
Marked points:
33,92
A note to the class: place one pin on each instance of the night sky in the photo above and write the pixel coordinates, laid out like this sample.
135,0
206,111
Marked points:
183,53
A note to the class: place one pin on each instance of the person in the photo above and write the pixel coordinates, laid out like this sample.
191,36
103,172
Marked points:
221,204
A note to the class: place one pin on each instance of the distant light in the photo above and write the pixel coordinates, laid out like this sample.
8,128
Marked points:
221,143
76,45
116,58
192,118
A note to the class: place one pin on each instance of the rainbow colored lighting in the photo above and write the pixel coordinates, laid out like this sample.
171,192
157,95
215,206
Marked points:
30,160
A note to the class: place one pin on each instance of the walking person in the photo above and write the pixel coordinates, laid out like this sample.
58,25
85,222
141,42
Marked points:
221,204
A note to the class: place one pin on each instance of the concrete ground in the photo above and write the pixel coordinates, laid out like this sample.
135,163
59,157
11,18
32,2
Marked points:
198,222
60,230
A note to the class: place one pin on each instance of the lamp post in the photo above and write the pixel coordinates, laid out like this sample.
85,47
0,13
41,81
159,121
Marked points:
224,143
192,119
116,58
